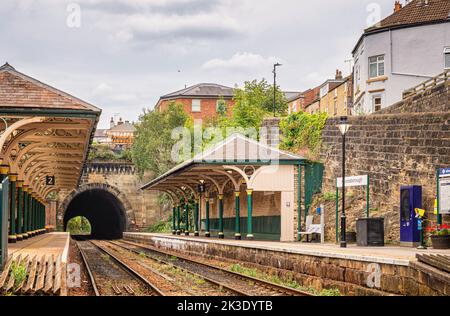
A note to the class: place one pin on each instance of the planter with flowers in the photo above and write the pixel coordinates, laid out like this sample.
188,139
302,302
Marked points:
440,236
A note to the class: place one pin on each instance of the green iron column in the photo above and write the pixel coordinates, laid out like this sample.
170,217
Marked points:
19,223
299,203
249,215
25,212
207,232
178,219
34,202
30,214
174,223
186,217
12,238
237,207
197,207
33,215
221,234
3,174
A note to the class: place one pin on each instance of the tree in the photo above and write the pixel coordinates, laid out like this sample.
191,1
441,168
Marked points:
153,142
254,102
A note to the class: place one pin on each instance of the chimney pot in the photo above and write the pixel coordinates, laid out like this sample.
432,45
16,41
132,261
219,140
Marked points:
397,6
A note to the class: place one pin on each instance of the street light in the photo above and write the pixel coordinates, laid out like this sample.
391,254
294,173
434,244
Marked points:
275,87
344,127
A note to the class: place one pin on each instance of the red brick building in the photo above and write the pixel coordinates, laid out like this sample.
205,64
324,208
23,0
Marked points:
200,101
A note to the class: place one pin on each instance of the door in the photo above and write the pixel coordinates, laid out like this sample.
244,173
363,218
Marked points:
4,212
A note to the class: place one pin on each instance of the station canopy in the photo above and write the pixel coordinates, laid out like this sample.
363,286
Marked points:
44,133
236,160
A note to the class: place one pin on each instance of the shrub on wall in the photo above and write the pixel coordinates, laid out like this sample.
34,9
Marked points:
303,132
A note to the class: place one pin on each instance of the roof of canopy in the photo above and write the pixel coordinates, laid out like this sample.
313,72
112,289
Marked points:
237,150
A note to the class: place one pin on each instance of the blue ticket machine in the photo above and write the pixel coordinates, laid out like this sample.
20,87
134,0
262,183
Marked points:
410,199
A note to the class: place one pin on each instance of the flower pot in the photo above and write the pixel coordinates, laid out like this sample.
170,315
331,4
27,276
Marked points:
440,242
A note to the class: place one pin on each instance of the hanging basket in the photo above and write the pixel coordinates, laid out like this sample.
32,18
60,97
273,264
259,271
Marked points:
440,242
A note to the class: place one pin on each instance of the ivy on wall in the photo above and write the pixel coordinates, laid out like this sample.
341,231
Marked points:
303,132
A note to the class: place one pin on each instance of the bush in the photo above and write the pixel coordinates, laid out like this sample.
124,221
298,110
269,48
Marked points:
160,227
303,131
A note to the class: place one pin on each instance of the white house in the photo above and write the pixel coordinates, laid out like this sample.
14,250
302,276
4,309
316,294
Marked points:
403,50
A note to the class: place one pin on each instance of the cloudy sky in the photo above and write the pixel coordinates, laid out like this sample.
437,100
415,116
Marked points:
121,55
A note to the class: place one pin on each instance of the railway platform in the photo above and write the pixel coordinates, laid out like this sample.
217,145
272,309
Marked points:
355,270
45,260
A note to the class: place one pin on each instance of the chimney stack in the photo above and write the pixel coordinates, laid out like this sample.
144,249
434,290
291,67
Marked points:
111,123
398,6
338,75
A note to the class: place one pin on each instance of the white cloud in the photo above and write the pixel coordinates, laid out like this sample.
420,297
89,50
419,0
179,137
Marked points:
102,89
241,61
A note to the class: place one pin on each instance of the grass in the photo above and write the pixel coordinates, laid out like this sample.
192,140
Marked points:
19,273
288,282
106,258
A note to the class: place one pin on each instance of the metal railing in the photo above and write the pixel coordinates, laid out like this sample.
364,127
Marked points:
427,85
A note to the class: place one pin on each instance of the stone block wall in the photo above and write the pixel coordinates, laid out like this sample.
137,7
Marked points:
351,276
403,145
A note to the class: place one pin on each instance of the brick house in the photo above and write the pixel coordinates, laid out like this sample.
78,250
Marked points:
200,101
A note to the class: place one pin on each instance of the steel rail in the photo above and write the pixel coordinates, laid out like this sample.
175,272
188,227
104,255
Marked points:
263,283
129,269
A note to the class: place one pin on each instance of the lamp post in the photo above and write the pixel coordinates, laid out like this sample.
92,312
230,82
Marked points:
275,88
344,127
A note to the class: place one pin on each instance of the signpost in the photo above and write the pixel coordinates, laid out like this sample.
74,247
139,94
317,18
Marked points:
358,181
50,180
443,196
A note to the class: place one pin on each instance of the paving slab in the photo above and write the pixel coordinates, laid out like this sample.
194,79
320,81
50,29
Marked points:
51,244
389,254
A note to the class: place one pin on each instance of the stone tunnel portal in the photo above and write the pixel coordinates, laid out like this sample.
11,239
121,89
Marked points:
105,212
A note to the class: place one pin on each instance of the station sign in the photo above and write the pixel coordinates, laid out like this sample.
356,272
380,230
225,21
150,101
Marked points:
50,180
359,181
444,191
443,173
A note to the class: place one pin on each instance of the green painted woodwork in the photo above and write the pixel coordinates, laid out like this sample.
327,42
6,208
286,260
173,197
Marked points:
264,227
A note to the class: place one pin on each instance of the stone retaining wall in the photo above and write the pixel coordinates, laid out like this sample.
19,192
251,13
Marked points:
351,277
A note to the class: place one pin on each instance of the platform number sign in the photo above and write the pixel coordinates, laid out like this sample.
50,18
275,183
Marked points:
50,180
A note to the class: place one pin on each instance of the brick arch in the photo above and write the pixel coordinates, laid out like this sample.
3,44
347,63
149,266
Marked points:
129,212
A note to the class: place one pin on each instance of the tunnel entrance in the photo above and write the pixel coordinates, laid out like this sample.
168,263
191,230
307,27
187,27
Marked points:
104,211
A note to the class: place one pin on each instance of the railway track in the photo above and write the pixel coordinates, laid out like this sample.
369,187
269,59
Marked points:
235,282
110,276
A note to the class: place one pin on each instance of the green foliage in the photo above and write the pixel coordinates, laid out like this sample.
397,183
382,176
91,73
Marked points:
303,131
153,142
79,226
329,197
103,152
254,102
160,227
19,273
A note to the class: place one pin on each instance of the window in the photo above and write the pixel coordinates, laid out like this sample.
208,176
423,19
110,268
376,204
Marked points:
447,58
196,106
377,104
376,66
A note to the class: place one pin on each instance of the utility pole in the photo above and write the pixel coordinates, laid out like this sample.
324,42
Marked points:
275,88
